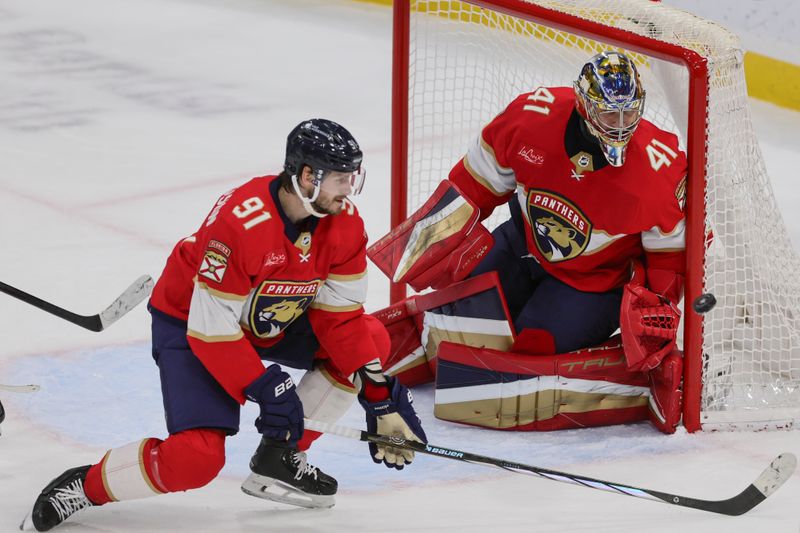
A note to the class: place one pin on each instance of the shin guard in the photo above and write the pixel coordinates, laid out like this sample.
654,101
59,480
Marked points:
185,460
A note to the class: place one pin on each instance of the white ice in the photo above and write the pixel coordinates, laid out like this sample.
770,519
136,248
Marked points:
120,124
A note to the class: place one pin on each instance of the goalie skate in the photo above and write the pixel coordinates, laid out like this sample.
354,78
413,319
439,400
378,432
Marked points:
283,474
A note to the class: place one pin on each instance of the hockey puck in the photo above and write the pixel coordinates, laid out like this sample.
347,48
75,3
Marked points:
704,303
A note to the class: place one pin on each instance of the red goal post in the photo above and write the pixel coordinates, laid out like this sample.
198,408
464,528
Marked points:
458,63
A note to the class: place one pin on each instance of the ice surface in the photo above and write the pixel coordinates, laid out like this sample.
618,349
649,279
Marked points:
120,124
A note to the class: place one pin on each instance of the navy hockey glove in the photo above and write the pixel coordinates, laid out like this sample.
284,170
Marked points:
393,416
281,415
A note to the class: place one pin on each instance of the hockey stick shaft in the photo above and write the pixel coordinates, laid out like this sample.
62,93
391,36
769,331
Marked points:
19,388
768,482
133,295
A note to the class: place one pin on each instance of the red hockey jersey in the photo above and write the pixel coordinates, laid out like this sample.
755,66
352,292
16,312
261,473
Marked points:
249,272
584,219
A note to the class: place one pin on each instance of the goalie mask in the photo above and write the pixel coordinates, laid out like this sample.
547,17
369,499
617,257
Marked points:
333,155
610,98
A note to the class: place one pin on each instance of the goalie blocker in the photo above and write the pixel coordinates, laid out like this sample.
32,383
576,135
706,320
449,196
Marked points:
441,243
486,375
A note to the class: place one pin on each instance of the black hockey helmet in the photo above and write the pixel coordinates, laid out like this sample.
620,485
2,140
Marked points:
323,145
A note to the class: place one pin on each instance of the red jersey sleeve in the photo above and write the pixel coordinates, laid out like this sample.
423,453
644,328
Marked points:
665,244
484,174
221,287
337,313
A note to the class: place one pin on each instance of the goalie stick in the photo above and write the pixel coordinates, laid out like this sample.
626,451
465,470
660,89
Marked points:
133,295
768,482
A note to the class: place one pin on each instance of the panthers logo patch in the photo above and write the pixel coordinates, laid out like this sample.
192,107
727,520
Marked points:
560,229
277,304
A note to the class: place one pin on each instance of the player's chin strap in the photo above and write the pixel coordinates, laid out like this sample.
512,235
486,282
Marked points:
308,203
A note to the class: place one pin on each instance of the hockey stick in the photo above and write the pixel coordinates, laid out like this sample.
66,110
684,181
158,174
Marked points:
138,291
19,388
768,482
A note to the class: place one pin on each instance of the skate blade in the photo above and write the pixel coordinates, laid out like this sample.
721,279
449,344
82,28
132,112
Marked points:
27,523
271,489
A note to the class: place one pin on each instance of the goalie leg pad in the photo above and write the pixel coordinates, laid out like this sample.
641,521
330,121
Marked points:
501,390
407,358
471,312
666,393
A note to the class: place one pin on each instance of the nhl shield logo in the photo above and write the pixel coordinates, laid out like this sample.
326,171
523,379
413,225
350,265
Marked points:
560,229
277,304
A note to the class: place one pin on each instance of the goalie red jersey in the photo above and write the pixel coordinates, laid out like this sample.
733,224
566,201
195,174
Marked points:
584,220
248,273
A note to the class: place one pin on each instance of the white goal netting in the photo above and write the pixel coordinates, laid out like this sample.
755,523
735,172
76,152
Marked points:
466,63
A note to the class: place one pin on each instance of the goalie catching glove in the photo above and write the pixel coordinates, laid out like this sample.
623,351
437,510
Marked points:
648,324
392,416
441,243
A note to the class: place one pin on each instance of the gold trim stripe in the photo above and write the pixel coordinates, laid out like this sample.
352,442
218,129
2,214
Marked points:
335,308
481,340
480,179
106,486
422,359
215,338
662,250
333,381
346,277
525,409
220,294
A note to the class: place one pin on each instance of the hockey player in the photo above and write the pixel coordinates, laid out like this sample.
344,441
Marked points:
277,271
593,189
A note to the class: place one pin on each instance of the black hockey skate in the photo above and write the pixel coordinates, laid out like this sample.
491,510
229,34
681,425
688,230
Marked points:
59,500
282,474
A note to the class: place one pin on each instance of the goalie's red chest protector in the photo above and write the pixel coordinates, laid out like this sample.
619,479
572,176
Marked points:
584,219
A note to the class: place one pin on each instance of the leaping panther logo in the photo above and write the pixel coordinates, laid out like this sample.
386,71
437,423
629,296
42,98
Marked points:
560,229
281,314
560,240
276,304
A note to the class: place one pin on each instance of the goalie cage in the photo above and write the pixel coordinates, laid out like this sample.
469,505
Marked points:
457,64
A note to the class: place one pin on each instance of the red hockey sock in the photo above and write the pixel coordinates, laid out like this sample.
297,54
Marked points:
185,460
308,438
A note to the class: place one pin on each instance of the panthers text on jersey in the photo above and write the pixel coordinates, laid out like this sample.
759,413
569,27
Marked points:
249,272
584,219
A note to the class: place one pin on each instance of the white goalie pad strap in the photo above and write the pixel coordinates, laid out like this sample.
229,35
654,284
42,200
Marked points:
324,398
124,475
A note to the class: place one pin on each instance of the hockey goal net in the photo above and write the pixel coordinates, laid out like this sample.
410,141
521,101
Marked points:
458,64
